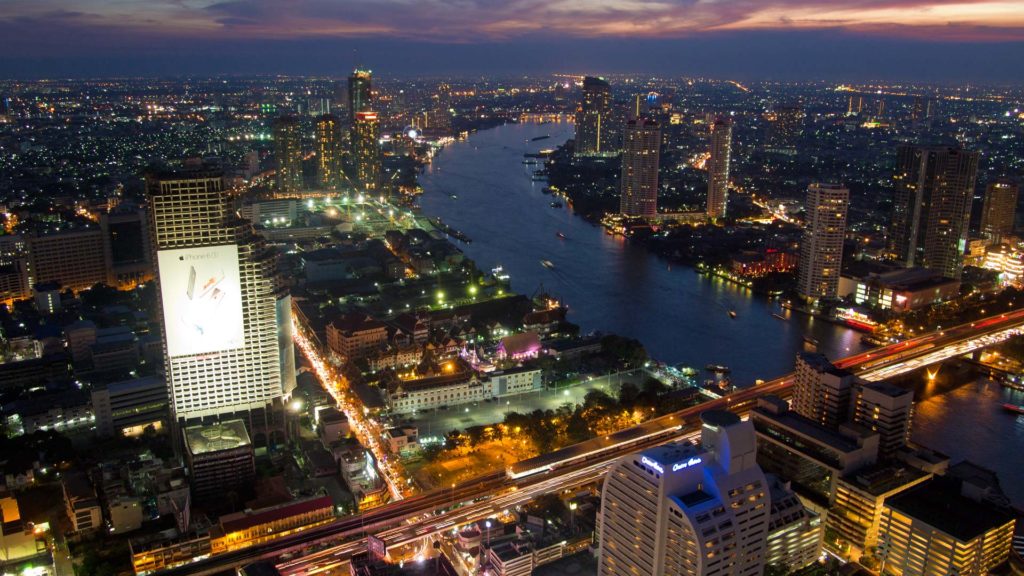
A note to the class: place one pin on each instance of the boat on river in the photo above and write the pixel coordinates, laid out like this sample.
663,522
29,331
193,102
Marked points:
1015,408
548,264
560,235
717,369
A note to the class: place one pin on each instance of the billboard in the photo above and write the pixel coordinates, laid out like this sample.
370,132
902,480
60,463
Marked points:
202,299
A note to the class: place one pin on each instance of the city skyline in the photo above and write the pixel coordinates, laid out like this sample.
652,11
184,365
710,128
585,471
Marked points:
860,39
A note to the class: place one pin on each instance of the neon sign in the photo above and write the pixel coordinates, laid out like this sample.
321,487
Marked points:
686,464
652,464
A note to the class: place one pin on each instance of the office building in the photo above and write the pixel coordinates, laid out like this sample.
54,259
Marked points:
359,93
288,151
938,528
808,455
129,406
220,301
221,460
886,410
594,130
125,246
75,259
999,210
328,152
718,168
784,127
821,248
821,391
366,152
856,512
641,148
933,192
795,534
681,509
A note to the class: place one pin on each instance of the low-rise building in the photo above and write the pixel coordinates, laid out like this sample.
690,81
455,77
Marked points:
129,406
356,336
253,527
856,512
899,290
81,503
17,539
167,549
513,381
937,528
432,392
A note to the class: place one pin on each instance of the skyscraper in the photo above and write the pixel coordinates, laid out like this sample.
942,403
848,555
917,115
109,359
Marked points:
593,118
641,147
359,95
933,192
718,168
328,142
999,210
681,509
366,150
288,150
821,249
785,125
219,301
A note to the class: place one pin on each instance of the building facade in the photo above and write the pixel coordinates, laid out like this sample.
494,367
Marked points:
359,93
886,410
934,188
328,152
219,291
718,168
641,149
288,151
594,118
821,391
678,509
366,150
999,211
821,249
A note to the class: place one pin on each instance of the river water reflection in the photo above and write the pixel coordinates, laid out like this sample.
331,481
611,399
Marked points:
609,285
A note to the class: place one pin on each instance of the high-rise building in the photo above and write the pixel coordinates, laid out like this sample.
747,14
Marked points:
681,509
821,391
821,249
359,93
328,142
288,150
221,460
220,295
126,246
594,118
785,126
938,528
933,192
641,147
999,210
718,168
366,150
885,409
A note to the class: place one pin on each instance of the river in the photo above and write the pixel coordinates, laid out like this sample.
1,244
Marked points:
609,285
679,315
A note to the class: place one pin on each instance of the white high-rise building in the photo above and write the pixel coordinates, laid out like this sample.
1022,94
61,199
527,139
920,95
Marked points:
641,147
821,249
687,509
221,303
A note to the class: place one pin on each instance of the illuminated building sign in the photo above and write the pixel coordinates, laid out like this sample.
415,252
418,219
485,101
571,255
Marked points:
686,464
652,464
202,299
675,467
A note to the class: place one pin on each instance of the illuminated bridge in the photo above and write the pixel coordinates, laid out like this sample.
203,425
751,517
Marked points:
411,520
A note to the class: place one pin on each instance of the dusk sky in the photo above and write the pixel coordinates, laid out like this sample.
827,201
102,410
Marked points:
930,40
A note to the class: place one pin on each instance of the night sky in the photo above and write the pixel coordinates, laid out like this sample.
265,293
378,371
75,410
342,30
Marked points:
951,41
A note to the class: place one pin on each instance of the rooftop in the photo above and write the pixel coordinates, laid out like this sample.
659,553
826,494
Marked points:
216,437
940,504
819,363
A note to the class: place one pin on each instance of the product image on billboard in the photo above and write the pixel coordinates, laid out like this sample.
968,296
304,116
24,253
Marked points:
202,299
